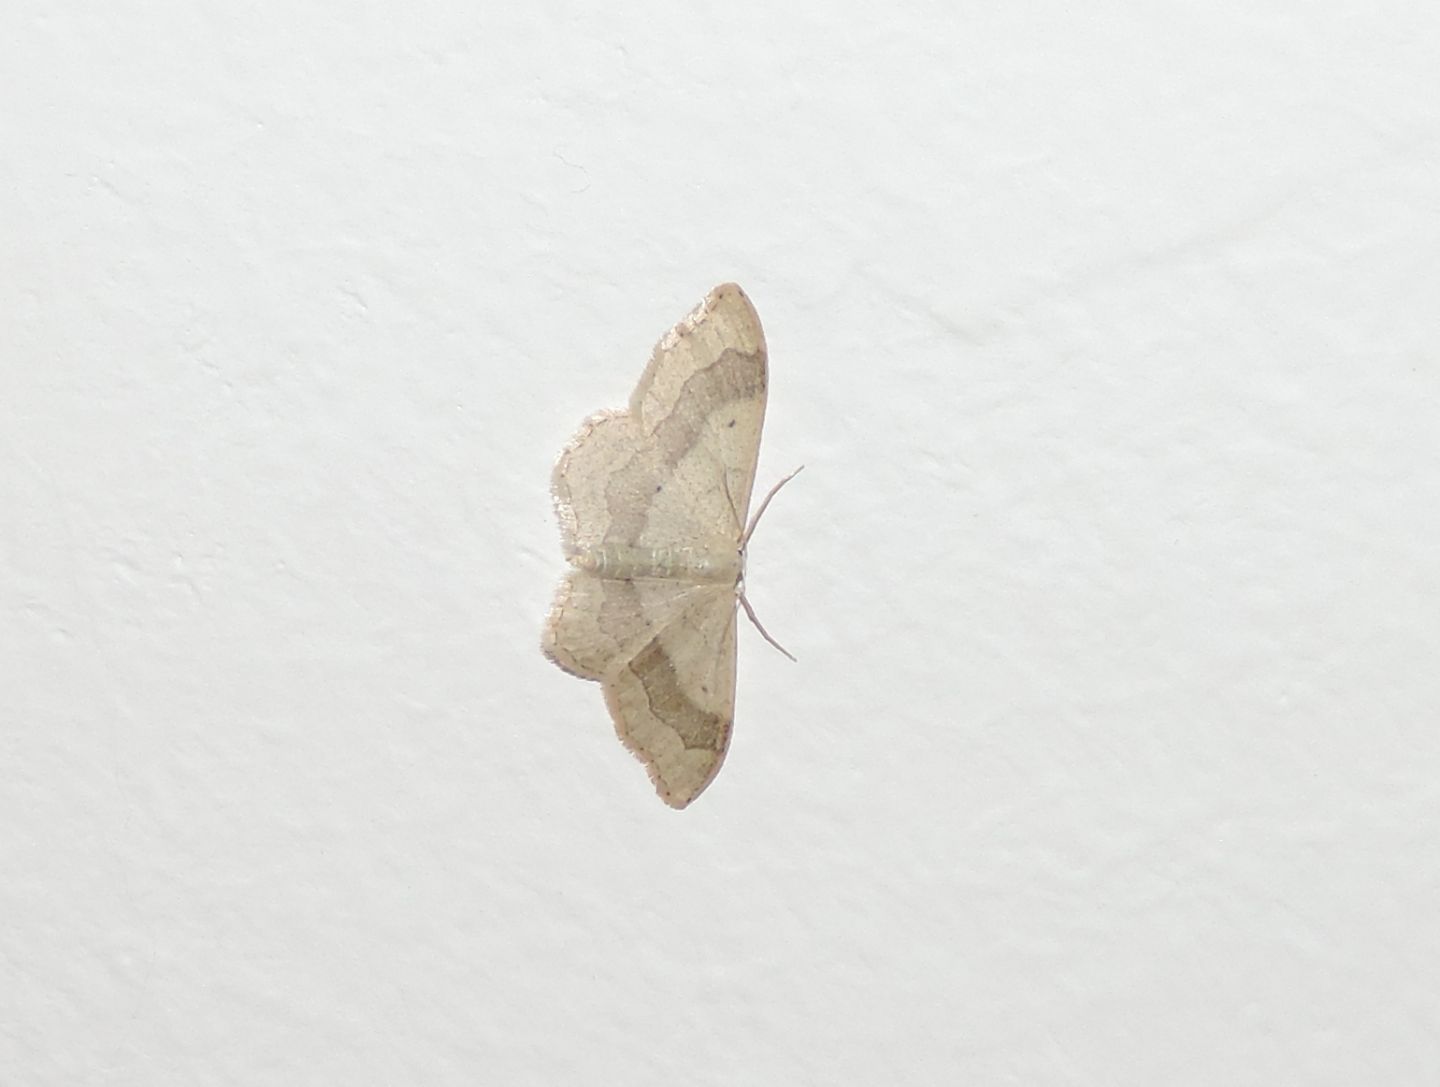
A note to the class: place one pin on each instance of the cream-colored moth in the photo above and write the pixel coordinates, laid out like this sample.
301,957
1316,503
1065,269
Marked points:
652,504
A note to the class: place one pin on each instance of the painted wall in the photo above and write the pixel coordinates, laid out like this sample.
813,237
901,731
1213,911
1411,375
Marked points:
1107,335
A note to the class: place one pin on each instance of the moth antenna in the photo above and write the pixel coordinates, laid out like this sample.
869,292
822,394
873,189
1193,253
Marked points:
761,627
745,539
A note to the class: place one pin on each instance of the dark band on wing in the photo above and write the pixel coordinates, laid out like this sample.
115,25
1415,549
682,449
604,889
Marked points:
697,728
734,377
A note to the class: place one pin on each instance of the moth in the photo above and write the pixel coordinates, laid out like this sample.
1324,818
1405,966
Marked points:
653,504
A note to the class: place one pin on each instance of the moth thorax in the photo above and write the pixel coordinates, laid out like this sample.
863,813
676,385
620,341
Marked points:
719,563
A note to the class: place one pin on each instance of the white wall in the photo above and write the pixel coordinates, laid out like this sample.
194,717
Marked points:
1107,334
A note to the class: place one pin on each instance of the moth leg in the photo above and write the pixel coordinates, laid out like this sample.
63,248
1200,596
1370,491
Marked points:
734,511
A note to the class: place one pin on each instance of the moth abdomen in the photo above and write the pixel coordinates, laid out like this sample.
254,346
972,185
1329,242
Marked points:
624,562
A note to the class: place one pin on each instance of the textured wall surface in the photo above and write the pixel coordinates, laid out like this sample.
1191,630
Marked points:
1108,336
